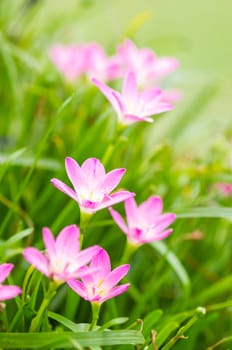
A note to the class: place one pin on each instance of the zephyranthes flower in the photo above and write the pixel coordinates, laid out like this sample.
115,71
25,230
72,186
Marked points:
145,223
101,285
149,69
62,259
92,186
7,292
131,105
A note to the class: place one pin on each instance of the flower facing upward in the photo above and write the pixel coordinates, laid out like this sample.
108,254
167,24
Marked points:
7,292
101,285
92,186
145,223
62,259
131,105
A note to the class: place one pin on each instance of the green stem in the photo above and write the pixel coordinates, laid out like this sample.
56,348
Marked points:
95,314
84,221
37,320
128,252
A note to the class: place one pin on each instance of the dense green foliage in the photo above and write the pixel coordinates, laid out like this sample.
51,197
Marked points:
181,286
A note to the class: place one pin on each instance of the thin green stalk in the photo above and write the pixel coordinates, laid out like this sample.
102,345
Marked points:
200,312
95,314
128,252
37,320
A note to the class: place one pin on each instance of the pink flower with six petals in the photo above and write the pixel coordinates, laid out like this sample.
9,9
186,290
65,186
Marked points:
101,285
145,223
131,105
7,292
92,185
62,259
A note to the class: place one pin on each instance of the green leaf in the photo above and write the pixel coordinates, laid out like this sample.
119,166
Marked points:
67,339
74,327
114,322
165,332
175,264
150,320
214,212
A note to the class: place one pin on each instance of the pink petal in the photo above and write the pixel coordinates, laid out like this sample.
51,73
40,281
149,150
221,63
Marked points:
93,171
115,276
115,291
78,288
150,209
67,243
164,66
163,221
115,198
86,255
5,270
107,92
129,89
119,220
119,103
131,118
101,262
75,175
9,292
49,242
159,108
150,95
111,180
64,188
37,259
172,96
158,237
132,215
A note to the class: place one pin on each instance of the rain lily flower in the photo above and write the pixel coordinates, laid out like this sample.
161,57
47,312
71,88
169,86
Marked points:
101,285
145,223
7,292
86,59
131,105
69,60
92,185
62,259
224,188
99,65
149,69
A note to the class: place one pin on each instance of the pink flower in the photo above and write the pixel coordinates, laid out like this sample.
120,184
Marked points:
7,292
224,188
131,105
92,186
149,69
62,259
100,286
145,223
89,59
69,60
99,65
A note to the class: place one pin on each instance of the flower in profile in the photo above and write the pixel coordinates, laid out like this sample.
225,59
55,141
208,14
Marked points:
131,105
101,285
149,69
62,259
10,291
145,223
92,185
